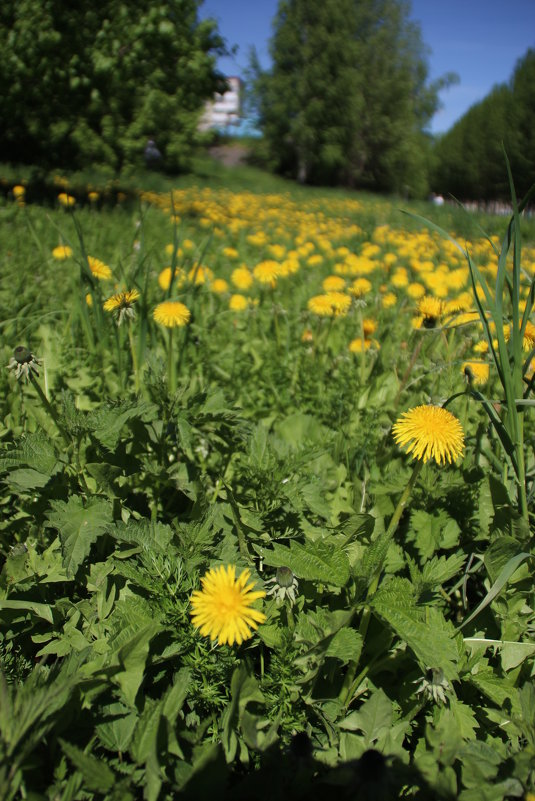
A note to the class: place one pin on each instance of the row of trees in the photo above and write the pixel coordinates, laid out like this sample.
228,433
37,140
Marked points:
88,83
469,159
347,100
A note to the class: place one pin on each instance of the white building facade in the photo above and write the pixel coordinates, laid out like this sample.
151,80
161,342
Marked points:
223,110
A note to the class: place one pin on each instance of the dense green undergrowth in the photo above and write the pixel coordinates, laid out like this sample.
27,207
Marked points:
257,434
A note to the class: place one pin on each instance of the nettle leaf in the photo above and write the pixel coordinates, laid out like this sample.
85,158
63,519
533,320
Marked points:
146,534
318,561
433,531
107,421
79,526
97,775
31,463
424,629
440,569
496,688
35,451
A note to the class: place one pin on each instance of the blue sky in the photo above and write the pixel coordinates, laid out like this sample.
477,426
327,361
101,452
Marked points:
480,40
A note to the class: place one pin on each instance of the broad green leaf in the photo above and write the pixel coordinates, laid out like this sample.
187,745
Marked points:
346,645
41,610
373,718
35,451
424,629
318,561
144,741
132,657
496,688
107,421
78,527
116,734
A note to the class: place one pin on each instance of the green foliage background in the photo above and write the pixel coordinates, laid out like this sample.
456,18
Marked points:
89,83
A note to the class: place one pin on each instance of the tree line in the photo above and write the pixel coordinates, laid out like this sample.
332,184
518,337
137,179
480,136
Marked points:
469,160
86,84
347,101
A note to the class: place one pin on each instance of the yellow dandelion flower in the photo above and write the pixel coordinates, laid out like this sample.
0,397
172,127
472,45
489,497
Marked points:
98,268
170,249
172,314
307,336
358,345
66,200
369,327
528,341
93,196
62,252
89,299
476,372
119,300
430,432
388,300
223,610
415,290
242,278
19,191
481,347
164,279
333,283
267,272
230,253
200,274
360,287
321,305
219,286
238,302
431,310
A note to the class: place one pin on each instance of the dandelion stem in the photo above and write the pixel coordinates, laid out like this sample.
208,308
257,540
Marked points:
171,373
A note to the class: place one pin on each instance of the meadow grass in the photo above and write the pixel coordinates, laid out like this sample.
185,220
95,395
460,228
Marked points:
267,467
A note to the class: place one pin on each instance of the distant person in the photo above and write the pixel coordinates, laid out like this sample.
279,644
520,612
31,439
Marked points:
153,157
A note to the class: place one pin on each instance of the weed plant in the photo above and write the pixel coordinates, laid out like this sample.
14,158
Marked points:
206,379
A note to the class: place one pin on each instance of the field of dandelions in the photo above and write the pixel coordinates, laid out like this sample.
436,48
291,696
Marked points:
267,465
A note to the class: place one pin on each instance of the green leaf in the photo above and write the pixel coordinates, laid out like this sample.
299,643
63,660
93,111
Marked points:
132,657
346,645
108,421
116,734
424,629
41,610
97,775
318,561
373,718
78,527
498,585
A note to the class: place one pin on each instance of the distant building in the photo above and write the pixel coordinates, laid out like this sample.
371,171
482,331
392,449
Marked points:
224,110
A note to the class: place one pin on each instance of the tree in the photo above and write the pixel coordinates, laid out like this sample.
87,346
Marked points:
347,100
469,158
88,83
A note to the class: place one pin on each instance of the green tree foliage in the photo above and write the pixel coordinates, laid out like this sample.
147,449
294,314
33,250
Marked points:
89,83
347,100
469,159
